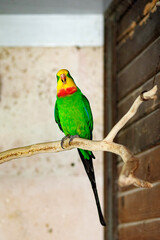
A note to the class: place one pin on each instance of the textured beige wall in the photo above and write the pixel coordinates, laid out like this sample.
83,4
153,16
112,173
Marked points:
46,196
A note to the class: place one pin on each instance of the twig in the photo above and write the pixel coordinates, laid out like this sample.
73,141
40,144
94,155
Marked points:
130,161
132,111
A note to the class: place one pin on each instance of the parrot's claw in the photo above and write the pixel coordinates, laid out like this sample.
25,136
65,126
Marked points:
63,139
72,137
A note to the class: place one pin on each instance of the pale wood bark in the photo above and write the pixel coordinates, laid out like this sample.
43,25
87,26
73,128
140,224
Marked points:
130,161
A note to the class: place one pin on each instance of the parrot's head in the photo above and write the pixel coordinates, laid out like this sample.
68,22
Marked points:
65,83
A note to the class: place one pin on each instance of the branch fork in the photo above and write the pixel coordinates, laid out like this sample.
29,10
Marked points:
131,163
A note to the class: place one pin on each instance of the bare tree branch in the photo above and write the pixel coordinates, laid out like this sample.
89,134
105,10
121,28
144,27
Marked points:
132,111
130,161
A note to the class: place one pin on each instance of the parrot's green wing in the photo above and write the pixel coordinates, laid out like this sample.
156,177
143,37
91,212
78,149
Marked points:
56,116
89,116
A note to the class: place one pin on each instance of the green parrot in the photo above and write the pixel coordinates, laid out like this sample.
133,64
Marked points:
74,117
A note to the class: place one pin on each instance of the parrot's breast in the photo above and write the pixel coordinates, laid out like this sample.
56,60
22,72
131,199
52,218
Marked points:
63,92
73,116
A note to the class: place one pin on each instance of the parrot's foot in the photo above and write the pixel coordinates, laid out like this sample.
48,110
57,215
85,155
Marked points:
72,137
63,139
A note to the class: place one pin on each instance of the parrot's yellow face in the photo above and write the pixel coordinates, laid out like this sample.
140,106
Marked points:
65,83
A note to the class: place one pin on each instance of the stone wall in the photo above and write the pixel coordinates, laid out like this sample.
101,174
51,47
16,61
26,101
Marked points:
47,196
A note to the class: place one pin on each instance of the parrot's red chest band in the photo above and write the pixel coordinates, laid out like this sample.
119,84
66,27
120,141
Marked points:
65,92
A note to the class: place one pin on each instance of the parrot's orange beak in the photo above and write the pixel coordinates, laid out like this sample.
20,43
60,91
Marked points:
63,78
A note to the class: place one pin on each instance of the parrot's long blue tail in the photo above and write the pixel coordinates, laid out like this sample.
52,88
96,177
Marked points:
88,165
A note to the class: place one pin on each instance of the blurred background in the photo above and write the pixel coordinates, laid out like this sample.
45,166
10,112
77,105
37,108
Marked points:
111,49
48,196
